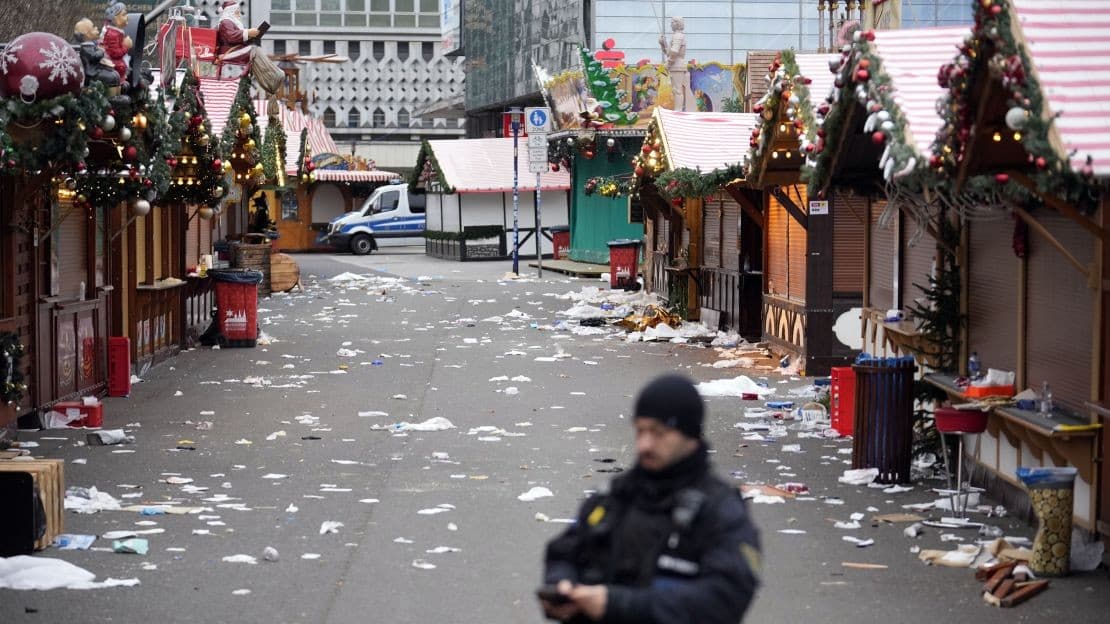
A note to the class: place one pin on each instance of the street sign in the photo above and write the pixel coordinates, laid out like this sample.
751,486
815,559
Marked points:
537,119
537,154
819,207
538,167
538,140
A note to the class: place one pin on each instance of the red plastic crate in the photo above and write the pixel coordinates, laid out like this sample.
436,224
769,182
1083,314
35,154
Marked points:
842,399
91,415
119,366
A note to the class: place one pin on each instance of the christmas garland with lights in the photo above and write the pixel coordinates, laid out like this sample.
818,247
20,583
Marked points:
62,121
198,170
11,373
787,83
241,140
427,168
993,52
306,169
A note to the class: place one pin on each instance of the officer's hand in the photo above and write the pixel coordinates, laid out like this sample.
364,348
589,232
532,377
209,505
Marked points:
564,611
591,599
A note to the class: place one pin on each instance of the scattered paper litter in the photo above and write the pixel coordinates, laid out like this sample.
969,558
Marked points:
737,386
240,559
439,550
241,592
792,531
24,572
423,565
274,476
97,501
962,557
860,543
329,526
861,476
438,423
535,493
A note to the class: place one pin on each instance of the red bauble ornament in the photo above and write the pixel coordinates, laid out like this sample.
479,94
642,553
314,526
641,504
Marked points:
147,182
646,149
81,166
217,164
996,9
554,166
172,162
934,161
589,154
39,66
1002,178
878,138
758,108
196,120
134,174
810,148
677,202
1040,162
864,63
862,75
11,163
869,35
823,109
96,132
310,167
639,172
130,153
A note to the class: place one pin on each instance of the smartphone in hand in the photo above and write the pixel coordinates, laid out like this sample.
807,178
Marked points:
552,595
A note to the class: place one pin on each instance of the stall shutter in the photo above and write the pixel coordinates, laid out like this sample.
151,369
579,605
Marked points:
849,222
730,234
1060,310
206,237
917,260
882,260
799,256
992,295
72,253
711,233
777,259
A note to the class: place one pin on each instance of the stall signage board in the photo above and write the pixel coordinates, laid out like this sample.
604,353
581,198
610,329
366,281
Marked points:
819,207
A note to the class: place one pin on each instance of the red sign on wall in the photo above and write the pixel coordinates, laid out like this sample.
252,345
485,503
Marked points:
507,125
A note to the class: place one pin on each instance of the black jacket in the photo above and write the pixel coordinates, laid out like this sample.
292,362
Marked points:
672,547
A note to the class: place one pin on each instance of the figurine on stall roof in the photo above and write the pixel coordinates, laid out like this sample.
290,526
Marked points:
675,54
232,39
97,67
114,40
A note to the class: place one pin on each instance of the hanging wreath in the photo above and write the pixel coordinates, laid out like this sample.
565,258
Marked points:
11,356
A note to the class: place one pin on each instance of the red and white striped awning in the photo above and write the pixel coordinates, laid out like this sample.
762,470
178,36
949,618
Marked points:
486,166
340,175
219,95
911,58
705,141
816,68
1068,42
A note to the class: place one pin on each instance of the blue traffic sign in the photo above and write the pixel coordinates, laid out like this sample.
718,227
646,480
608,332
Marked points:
538,119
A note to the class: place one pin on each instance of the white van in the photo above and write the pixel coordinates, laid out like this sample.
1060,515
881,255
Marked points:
391,217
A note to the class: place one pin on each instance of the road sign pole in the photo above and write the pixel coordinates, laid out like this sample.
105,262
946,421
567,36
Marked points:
515,112
539,228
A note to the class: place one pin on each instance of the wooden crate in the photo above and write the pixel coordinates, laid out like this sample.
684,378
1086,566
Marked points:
49,476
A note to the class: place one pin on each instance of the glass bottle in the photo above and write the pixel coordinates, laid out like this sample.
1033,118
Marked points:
1046,400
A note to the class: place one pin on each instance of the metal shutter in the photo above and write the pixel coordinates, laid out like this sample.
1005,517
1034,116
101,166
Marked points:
777,253
917,261
711,233
71,252
1060,311
992,294
730,234
849,223
799,256
882,260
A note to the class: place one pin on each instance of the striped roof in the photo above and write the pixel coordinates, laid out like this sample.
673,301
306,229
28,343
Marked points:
218,95
486,166
816,68
705,141
1068,42
911,58
340,175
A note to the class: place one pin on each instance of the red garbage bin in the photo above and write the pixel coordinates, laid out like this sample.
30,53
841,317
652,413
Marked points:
237,306
842,399
119,366
624,262
560,241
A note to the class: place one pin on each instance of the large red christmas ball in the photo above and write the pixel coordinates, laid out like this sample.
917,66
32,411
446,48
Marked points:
39,66
130,153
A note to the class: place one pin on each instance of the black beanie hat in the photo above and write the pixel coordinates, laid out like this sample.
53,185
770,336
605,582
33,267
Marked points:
673,400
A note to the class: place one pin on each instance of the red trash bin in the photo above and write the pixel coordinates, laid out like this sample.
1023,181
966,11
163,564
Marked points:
237,306
119,366
624,262
560,241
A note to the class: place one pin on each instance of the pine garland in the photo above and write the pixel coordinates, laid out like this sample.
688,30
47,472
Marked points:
273,152
787,101
428,169
993,52
12,385
194,183
65,123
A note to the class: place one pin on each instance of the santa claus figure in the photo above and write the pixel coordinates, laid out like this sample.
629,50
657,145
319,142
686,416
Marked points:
114,40
231,40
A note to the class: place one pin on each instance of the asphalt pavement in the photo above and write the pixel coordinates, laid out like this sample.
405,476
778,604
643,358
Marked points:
302,433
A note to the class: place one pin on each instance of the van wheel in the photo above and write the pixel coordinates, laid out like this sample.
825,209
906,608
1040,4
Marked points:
361,245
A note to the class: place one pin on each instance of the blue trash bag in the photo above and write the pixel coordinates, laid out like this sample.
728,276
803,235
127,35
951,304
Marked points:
1047,477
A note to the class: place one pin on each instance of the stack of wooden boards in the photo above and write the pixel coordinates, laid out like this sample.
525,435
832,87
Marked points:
48,476
1008,584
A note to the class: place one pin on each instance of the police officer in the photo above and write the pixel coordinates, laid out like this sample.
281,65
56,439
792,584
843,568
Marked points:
670,543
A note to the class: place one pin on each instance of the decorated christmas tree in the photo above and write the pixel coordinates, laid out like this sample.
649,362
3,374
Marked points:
241,139
273,151
611,100
197,167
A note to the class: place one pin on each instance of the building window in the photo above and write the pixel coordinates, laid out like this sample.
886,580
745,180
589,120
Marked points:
403,50
329,117
379,13
354,50
429,14
304,48
379,50
354,118
403,6
279,46
329,47
403,118
379,118
427,50
279,12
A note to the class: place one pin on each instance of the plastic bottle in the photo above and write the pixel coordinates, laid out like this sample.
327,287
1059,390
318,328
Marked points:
1046,400
973,365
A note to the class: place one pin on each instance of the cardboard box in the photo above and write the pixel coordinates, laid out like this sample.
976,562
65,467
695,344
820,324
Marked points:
49,476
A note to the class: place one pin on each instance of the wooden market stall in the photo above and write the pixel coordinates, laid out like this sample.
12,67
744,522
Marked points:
814,251
1025,123
694,219
469,215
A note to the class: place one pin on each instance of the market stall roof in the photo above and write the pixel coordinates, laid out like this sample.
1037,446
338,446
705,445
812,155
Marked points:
705,141
219,96
911,59
1068,42
486,166
342,175
816,68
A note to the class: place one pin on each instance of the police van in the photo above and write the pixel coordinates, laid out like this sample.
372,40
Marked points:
391,217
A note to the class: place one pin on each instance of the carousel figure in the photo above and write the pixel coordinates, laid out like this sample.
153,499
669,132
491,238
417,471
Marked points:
116,43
